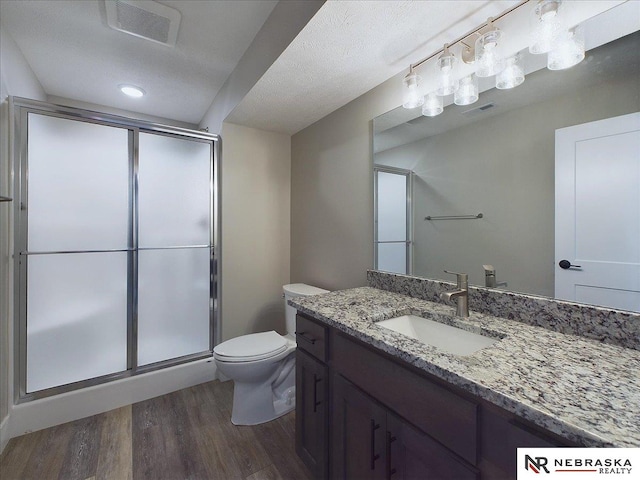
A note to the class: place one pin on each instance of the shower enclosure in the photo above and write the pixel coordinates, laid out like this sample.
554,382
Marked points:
116,228
392,191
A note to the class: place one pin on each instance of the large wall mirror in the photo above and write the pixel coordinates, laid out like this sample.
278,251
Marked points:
483,178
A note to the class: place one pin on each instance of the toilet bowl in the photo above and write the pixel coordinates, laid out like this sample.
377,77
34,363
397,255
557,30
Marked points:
262,366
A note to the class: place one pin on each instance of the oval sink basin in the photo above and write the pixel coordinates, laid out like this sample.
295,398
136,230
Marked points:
445,337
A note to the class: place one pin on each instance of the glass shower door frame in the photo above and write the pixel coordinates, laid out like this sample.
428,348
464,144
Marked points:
408,241
20,109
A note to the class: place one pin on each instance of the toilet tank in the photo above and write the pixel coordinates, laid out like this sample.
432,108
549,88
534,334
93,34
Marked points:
297,290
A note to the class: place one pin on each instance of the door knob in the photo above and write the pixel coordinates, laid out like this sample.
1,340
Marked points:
565,264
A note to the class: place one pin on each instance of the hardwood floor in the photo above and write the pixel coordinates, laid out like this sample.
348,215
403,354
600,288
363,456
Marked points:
182,435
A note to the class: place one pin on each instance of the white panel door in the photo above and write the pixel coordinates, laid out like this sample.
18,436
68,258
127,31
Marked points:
598,213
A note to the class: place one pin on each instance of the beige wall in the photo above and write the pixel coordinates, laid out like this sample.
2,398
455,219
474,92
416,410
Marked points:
256,180
331,192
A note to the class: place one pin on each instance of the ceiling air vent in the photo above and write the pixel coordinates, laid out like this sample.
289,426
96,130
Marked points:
478,110
144,19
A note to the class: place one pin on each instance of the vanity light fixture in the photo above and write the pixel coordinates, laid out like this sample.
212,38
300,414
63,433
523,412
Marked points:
433,105
484,47
412,95
547,26
569,52
512,75
131,90
468,92
447,83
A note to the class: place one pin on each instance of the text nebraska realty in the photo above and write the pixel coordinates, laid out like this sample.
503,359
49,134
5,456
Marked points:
605,466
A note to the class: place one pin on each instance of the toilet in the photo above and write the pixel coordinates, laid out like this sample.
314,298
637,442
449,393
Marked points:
262,366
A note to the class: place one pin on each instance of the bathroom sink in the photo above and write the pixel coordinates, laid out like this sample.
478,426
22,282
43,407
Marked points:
445,337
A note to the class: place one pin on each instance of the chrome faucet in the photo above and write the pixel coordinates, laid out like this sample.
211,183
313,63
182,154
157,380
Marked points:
490,277
461,294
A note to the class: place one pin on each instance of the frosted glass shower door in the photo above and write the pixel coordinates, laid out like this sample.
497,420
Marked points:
76,258
174,247
392,214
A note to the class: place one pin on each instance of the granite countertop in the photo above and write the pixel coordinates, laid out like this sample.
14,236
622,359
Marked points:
581,389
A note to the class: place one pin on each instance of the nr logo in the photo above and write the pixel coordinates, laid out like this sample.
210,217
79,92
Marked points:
536,464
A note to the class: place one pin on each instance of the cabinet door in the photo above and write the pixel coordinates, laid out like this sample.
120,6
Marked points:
311,413
358,428
501,437
413,455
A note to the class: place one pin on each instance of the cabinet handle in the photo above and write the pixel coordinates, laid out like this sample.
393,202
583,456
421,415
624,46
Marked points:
312,341
390,440
316,403
374,456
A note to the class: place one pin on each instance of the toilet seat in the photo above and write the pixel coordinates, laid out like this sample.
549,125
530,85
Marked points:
250,348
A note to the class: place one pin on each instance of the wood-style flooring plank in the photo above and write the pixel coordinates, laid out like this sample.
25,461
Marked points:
81,458
15,457
216,449
235,443
280,447
163,442
115,458
249,451
182,435
45,462
269,473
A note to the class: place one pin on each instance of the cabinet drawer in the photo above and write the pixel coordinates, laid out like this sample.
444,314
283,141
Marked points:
450,419
311,337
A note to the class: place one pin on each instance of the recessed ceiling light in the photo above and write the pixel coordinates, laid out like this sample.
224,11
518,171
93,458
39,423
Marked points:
131,90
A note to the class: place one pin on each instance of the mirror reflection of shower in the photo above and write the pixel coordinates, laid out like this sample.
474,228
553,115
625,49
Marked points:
393,220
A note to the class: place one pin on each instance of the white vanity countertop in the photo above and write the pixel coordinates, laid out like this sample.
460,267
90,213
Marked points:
581,389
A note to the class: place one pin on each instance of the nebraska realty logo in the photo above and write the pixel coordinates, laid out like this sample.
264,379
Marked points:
582,463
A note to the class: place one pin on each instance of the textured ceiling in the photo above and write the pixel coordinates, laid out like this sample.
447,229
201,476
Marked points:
348,48
74,54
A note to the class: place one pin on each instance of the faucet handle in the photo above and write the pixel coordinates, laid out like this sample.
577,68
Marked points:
462,278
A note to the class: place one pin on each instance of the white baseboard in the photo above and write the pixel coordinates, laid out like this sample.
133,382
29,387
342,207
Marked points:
66,407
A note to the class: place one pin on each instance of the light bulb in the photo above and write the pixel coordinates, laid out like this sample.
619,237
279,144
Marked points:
447,84
547,26
412,96
489,59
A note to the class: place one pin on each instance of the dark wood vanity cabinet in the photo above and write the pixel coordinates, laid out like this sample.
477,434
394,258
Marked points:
370,442
362,414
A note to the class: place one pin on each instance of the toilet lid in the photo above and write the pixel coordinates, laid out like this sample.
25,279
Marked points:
254,346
